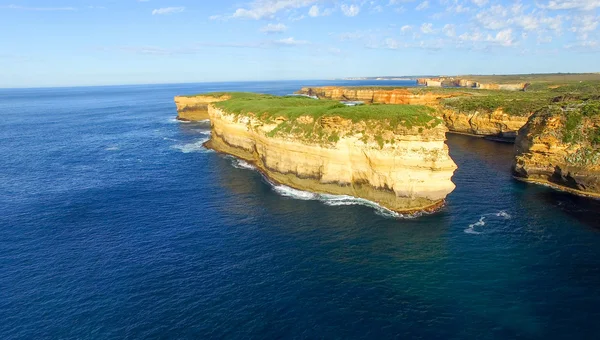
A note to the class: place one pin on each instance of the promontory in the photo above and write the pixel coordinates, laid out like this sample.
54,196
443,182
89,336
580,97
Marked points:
393,155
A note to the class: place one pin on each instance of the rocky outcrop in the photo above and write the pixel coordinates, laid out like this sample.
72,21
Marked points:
506,87
403,169
559,147
497,124
195,108
378,95
460,82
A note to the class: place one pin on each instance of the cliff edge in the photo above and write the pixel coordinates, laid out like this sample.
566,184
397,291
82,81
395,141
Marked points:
195,108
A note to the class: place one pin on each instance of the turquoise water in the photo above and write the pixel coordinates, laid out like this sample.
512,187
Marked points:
116,223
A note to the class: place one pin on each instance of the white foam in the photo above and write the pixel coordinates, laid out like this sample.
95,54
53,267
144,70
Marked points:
197,146
471,228
504,214
112,148
284,190
175,120
341,200
242,164
327,199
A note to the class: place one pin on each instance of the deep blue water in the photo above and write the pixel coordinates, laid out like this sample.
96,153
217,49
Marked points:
116,223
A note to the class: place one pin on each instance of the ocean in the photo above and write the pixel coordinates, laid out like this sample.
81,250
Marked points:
116,223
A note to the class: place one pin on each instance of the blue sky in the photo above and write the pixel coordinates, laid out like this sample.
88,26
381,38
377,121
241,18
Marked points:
94,42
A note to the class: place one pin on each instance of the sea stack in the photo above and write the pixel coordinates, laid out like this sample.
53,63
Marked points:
395,156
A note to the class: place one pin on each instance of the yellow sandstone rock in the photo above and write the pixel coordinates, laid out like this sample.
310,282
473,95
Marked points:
195,108
411,173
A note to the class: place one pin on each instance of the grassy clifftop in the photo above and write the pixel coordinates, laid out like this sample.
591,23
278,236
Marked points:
326,121
518,103
267,107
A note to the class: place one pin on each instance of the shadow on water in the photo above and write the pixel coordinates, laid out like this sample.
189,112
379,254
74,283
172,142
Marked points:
466,150
584,210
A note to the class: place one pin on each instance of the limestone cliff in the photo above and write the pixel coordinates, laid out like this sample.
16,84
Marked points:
560,147
497,124
461,82
195,108
378,95
405,169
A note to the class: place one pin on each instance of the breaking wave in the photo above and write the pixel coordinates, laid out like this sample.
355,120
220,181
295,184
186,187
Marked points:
472,227
197,146
175,120
503,214
286,191
327,199
336,200
240,163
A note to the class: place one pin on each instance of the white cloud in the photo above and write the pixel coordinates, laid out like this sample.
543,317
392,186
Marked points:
290,42
493,18
449,30
392,43
585,24
427,28
314,11
274,28
586,5
261,9
376,9
22,8
423,5
406,28
168,10
504,38
480,3
350,11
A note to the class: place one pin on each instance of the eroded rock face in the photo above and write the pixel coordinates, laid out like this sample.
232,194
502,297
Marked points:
497,123
410,172
549,151
195,108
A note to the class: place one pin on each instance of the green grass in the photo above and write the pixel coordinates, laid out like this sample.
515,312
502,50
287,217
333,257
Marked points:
580,128
519,103
376,118
268,107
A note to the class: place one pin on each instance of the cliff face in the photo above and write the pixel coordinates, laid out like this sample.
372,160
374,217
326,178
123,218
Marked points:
560,147
195,108
498,123
378,96
411,171
460,82
507,87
